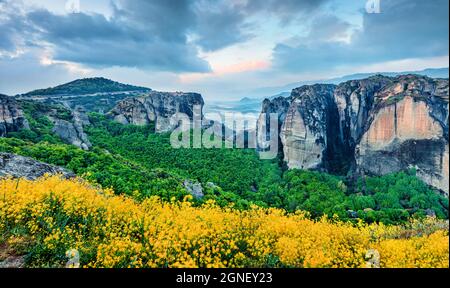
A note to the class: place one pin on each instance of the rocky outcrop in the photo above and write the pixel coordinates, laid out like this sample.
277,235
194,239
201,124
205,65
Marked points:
278,106
13,262
156,107
23,167
194,188
72,132
304,130
12,118
376,126
408,128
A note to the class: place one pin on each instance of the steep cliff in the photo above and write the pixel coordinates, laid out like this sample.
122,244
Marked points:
12,118
408,128
304,132
376,125
308,122
278,106
354,100
156,107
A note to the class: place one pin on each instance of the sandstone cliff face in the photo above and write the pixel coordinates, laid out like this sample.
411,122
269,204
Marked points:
156,107
408,128
11,116
304,130
376,125
23,167
354,100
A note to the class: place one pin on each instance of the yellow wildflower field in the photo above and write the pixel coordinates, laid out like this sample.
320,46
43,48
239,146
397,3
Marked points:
53,215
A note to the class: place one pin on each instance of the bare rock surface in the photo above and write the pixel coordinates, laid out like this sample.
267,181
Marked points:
12,118
23,167
156,107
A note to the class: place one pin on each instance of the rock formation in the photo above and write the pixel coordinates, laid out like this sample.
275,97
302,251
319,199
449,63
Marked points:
22,167
376,125
72,131
354,100
156,107
194,188
408,128
12,118
304,130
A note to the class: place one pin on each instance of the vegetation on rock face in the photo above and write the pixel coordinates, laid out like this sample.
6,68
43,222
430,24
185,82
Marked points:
87,86
37,115
46,218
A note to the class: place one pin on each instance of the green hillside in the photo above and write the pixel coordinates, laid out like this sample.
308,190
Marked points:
86,86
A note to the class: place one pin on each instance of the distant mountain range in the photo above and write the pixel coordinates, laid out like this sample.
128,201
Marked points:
86,86
280,90
253,104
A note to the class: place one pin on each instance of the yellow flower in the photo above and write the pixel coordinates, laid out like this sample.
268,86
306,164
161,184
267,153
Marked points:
119,231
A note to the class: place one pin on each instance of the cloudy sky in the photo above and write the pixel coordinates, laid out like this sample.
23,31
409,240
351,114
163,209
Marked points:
224,49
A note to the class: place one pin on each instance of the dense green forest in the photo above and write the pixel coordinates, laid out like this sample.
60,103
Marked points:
235,170
136,161
388,199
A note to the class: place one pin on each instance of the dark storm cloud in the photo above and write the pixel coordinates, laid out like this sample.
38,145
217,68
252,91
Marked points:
404,29
149,34
168,19
414,27
286,10
219,26
223,23
157,34
14,29
124,40
144,34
